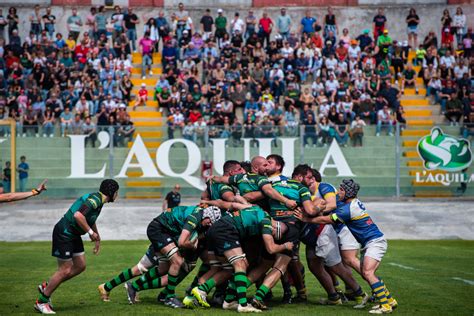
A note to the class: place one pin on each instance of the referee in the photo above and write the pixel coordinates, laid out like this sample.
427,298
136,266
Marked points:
172,199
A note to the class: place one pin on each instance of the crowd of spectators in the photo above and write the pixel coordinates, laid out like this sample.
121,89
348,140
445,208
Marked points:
241,77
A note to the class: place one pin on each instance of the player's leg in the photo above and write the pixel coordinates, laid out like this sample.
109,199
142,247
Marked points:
295,270
316,266
349,249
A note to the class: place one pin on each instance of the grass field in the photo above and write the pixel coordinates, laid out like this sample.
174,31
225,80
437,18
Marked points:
419,274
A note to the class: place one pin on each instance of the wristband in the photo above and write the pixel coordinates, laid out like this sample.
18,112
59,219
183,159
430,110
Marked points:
90,231
35,192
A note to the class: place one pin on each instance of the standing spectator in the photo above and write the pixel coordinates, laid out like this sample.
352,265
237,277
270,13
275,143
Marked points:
74,25
221,27
117,21
237,25
13,21
162,25
384,119
7,177
207,23
446,34
467,43
130,22
342,130
330,24
459,25
378,24
146,48
49,21
250,25
172,199
357,131
100,23
182,17
412,27
90,23
22,170
35,20
284,24
307,24
454,109
265,28
3,23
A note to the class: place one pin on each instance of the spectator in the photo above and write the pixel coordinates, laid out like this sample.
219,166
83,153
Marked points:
207,23
130,23
13,21
48,123
172,199
74,25
308,24
310,132
409,79
35,20
400,114
357,131
126,131
221,27
284,24
66,118
3,23
330,25
446,34
7,177
412,27
146,47
342,130
22,170
324,128
265,28
454,109
378,24
384,119
76,125
250,25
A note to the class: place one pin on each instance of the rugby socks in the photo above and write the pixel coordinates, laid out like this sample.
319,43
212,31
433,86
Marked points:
231,292
149,276
203,268
379,291
262,292
172,283
119,279
208,285
241,283
43,298
387,293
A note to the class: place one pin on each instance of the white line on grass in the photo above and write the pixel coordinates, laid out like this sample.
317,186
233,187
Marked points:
401,266
464,280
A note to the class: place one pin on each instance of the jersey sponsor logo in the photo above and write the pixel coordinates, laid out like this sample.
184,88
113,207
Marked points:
226,245
67,253
93,202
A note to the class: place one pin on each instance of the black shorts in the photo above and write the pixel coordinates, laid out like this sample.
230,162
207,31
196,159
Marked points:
159,236
66,245
292,235
223,236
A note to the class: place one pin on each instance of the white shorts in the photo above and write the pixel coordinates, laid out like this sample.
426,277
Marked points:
375,249
347,240
146,263
327,246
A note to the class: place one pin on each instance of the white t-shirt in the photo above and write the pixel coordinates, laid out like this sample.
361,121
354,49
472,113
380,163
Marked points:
448,61
238,25
332,85
331,63
286,51
353,51
268,106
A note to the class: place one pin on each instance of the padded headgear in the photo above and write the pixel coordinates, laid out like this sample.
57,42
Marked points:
350,187
212,212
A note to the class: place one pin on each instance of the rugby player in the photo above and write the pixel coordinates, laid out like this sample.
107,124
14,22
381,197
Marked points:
67,243
226,238
374,245
18,196
168,231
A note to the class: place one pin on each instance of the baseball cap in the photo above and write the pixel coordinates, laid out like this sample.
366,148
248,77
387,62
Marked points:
366,31
219,11
385,31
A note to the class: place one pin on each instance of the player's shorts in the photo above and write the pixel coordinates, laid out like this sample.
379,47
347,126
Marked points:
159,236
347,240
292,235
150,259
375,249
223,236
327,246
66,245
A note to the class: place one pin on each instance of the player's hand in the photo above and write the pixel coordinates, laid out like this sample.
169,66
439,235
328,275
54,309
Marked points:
299,214
289,245
42,186
96,248
195,244
94,237
291,204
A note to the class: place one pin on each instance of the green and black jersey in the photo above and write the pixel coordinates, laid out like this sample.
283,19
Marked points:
252,221
90,205
250,182
292,190
216,190
181,217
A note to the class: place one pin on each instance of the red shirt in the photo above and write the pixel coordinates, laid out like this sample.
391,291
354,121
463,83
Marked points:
265,24
194,116
317,41
81,53
143,92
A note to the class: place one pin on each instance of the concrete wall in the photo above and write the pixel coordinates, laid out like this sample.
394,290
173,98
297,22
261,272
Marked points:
354,18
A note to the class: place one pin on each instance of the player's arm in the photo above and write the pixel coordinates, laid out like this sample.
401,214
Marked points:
229,196
184,240
273,194
273,248
205,195
255,196
18,196
226,204
329,219
80,218
221,179
97,242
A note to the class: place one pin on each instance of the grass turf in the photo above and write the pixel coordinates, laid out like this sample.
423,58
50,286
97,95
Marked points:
418,273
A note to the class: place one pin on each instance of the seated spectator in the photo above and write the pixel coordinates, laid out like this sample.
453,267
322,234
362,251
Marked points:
454,109
384,120
310,132
76,125
400,114
324,134
391,95
188,131
409,79
200,135
357,131
88,128
30,121
66,118
141,97
341,130
236,133
445,95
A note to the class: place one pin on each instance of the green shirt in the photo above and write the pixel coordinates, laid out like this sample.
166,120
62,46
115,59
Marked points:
181,217
249,182
90,206
221,22
216,190
409,74
252,221
292,190
384,40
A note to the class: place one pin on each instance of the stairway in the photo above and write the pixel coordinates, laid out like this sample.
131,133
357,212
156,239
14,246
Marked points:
148,122
421,116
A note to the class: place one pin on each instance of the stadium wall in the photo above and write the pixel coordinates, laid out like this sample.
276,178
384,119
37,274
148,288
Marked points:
355,18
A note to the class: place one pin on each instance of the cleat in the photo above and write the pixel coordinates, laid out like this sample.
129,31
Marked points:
131,293
161,297
190,302
248,309
44,308
41,288
104,295
393,303
381,310
230,305
258,304
300,298
173,302
361,301
327,301
217,300
287,298
200,296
